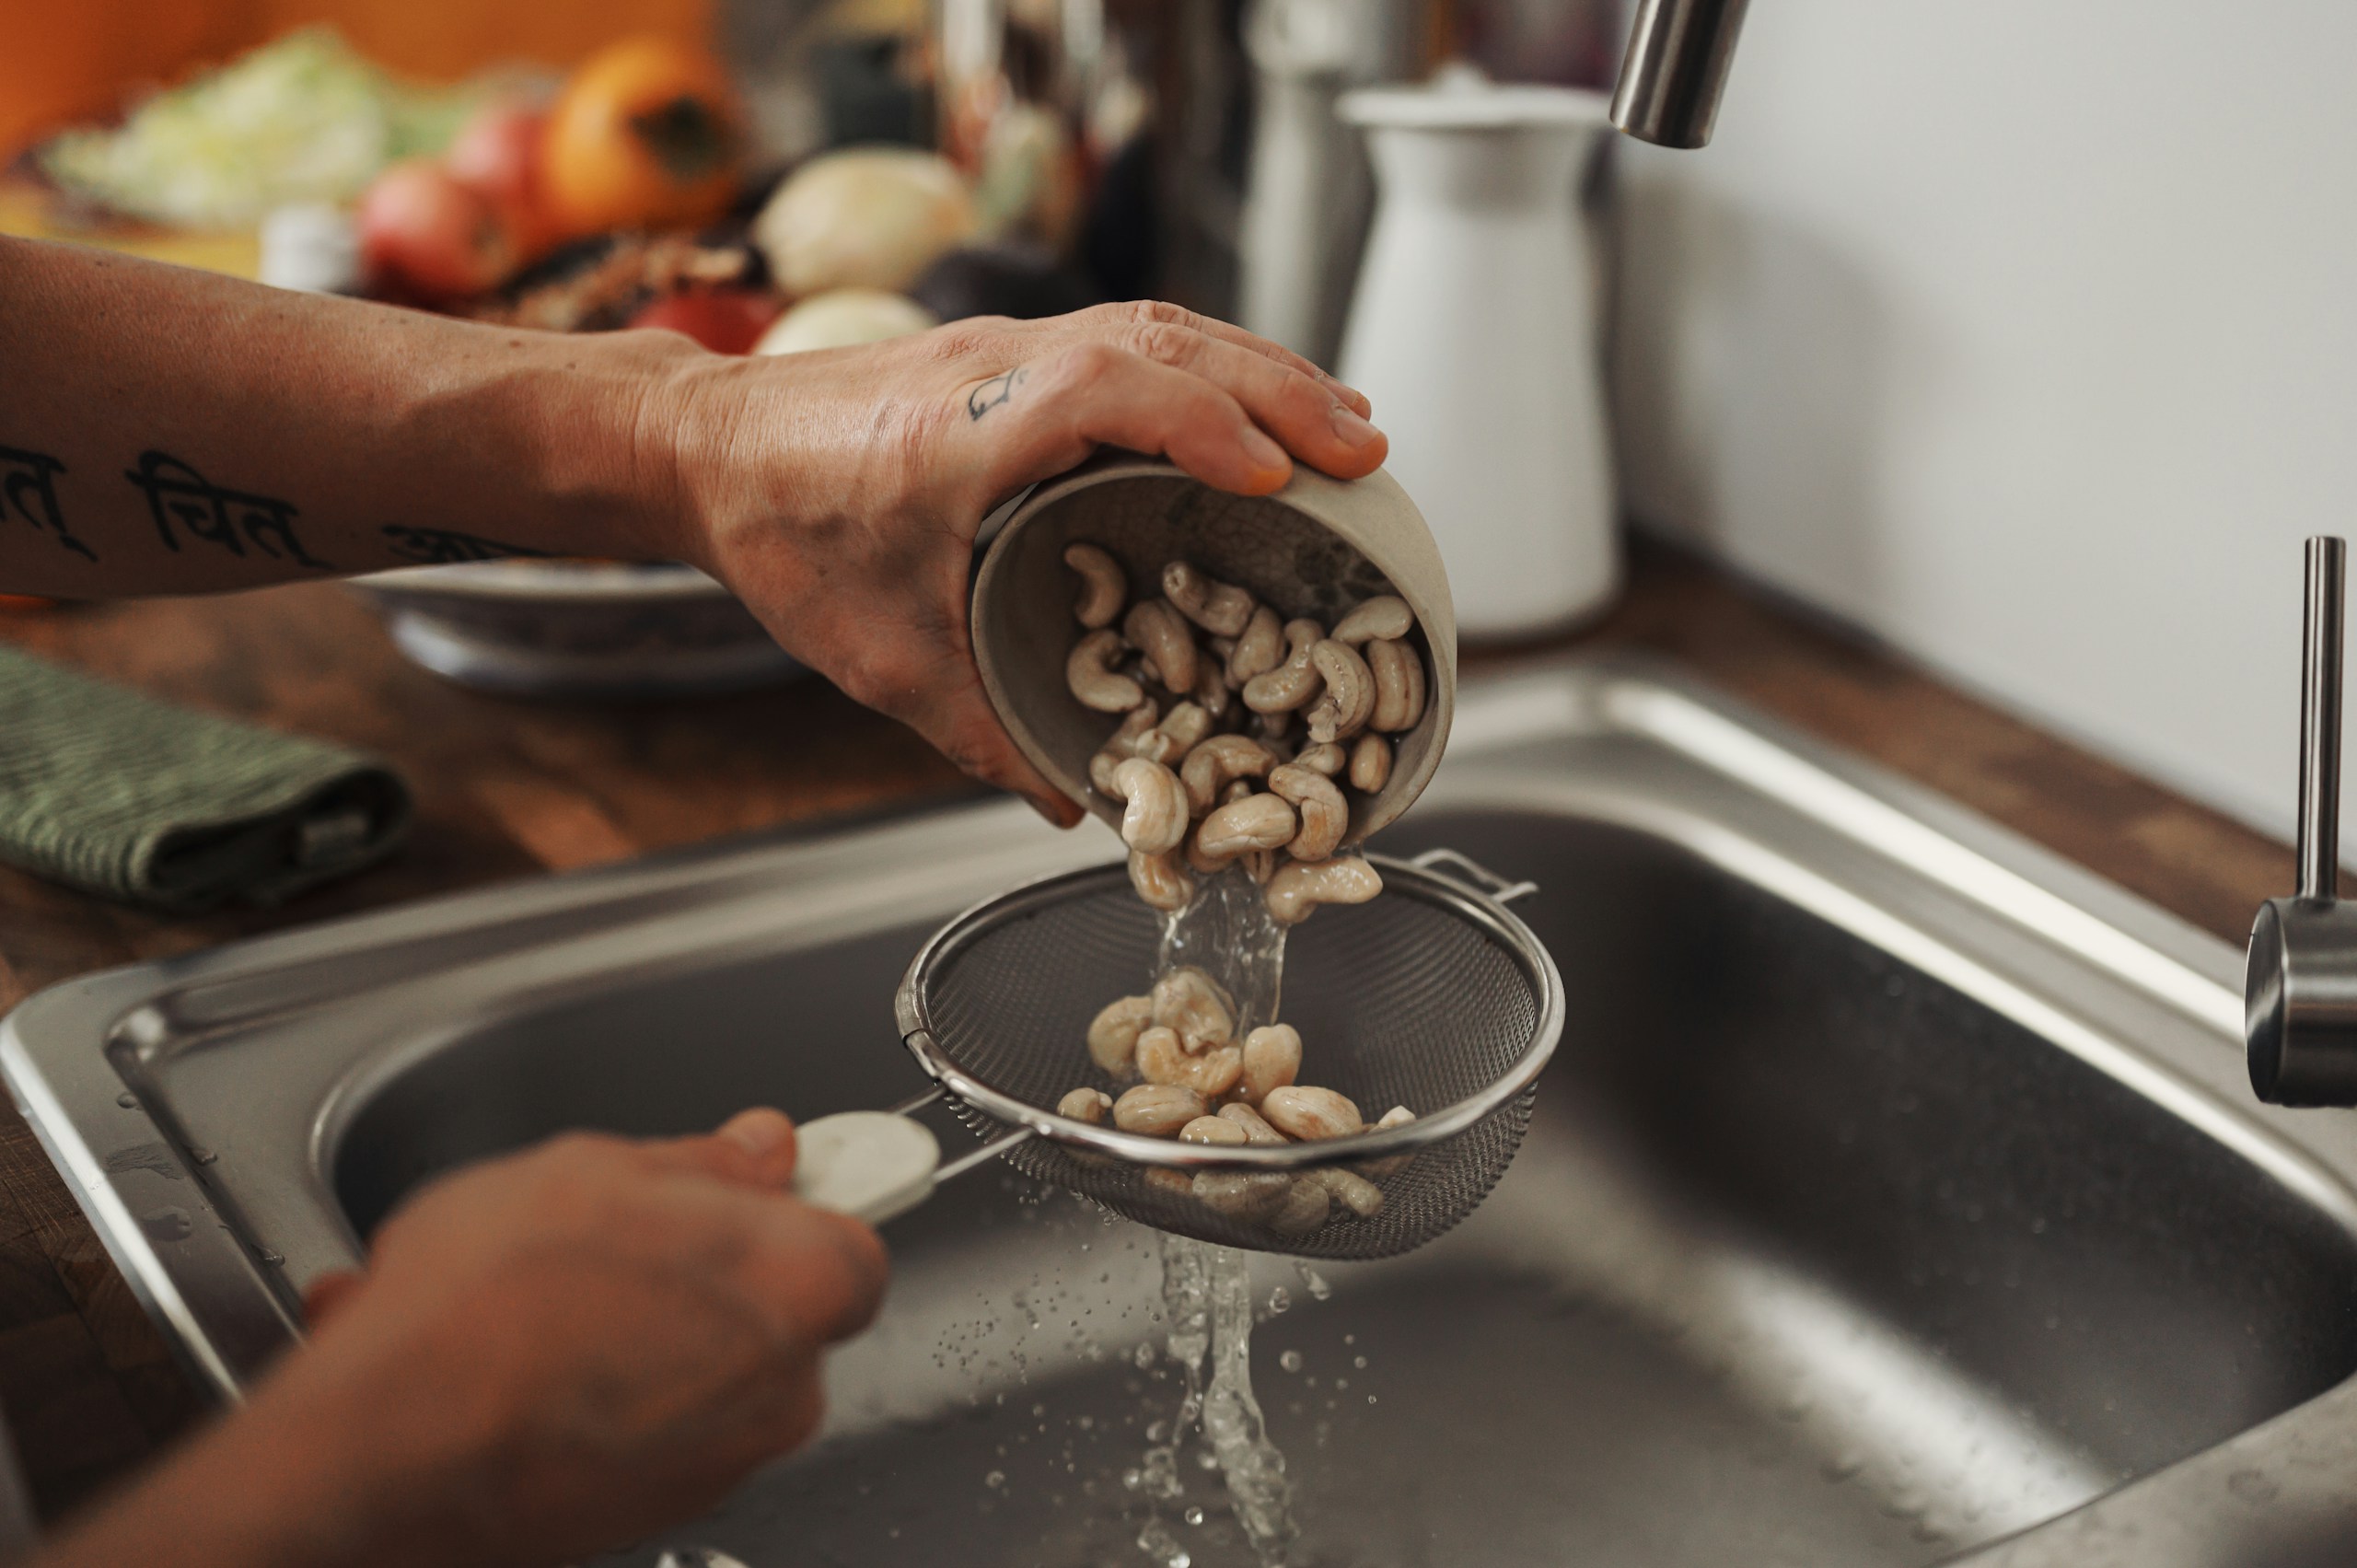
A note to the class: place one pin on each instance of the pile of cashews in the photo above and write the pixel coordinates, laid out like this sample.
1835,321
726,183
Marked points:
1210,684
1200,1086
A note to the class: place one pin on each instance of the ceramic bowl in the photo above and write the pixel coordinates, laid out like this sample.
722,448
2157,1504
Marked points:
576,628
1316,548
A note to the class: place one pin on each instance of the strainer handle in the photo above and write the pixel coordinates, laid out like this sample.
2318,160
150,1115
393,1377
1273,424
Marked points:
873,1165
1471,875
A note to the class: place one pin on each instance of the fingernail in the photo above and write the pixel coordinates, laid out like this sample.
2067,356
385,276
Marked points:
1354,430
760,1133
1348,393
1263,451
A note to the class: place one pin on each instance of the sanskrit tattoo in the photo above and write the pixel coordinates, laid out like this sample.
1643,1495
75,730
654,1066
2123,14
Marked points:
231,519
994,393
27,489
448,547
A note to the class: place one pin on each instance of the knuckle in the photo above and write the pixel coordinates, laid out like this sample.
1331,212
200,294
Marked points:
1166,343
1092,362
1162,312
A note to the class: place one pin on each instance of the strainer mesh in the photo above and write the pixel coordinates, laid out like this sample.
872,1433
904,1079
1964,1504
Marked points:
1403,1001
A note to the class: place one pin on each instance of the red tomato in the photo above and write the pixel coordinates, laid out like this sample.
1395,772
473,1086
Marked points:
726,320
497,155
423,232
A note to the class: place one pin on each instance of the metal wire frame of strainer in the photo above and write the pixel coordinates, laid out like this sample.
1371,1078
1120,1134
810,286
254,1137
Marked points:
1434,996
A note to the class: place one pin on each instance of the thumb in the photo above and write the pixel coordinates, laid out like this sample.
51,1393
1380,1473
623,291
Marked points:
753,1148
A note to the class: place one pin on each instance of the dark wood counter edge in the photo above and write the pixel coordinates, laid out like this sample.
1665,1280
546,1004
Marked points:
506,789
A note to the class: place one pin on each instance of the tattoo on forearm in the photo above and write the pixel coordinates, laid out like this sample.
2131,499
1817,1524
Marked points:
26,490
994,393
228,518
448,547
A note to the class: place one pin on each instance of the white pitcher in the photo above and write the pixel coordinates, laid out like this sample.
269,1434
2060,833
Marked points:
1473,332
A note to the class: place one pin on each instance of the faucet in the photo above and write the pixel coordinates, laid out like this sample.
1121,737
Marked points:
1675,70
2300,988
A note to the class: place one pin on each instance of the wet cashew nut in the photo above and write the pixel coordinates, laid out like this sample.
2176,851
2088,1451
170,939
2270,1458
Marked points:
1211,687
1389,1165
1257,1131
1088,672
1296,891
1211,1129
1103,584
1256,822
1178,1183
1091,1105
1217,762
1221,609
1163,1059
1161,635
1326,756
1155,819
1113,1033
1271,1060
1354,1192
1181,729
1136,732
1325,815
1386,615
1342,711
1294,682
1251,1195
1161,882
1259,649
1398,686
1307,1114
1196,1006
1306,1207
1370,763
1158,1110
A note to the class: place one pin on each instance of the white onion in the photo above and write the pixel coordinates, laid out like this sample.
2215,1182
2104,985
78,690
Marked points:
868,217
842,318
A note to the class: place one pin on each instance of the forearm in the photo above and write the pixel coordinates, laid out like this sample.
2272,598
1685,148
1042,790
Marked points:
169,431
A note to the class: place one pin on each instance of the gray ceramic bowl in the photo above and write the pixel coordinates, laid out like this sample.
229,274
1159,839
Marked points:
577,629
1314,548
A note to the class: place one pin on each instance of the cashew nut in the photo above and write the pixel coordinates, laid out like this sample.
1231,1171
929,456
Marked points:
1386,615
1211,687
1113,1033
1251,1195
1260,865
1085,1105
1296,891
1270,727
1294,682
1103,584
1307,1114
1257,1129
1163,1059
1155,819
1211,1129
1259,649
1389,1165
1355,1193
1137,731
1306,1207
1210,766
1325,815
1341,712
1398,1116
1256,822
1370,763
1221,609
1272,1060
1178,1183
1161,635
1196,1006
1089,671
1157,1109
1181,729
1398,686
1326,756
1161,881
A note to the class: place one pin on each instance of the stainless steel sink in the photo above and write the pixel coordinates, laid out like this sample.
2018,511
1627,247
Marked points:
1895,1197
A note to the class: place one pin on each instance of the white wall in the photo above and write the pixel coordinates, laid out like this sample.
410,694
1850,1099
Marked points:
2023,333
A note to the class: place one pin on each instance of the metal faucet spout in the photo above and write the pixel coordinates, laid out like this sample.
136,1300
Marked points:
1675,70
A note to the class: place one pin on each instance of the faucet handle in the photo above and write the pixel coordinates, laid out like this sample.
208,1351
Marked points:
2300,987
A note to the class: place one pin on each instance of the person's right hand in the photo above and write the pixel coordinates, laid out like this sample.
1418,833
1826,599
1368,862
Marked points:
548,1356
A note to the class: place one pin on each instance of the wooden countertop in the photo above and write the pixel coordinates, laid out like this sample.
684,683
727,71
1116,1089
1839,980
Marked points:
507,788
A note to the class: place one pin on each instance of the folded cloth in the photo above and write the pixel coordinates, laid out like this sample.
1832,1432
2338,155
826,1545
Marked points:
141,801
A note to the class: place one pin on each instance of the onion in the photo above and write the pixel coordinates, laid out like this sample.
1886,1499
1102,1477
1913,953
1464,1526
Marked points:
869,218
842,318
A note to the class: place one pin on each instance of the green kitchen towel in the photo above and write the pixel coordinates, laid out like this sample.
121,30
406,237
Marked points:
139,800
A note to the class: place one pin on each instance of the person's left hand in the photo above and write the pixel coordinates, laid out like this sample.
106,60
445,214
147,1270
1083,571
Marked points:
838,492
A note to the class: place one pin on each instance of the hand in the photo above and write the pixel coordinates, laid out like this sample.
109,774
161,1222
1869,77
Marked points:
838,492
549,1355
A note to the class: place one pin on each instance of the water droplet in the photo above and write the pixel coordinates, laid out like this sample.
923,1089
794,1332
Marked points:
1370,1399
1279,1299
1359,1362
1289,1361
1313,1282
126,1100
995,1480
1193,1516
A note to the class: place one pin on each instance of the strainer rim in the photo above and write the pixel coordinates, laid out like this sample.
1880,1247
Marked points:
1400,877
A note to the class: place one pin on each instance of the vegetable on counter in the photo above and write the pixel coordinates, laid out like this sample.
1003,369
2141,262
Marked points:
845,318
426,236
646,135
867,217
726,320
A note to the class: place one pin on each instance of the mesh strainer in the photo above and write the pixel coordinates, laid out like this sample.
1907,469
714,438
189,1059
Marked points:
1433,997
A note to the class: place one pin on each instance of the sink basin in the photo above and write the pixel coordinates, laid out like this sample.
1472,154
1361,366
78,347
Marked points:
1894,1198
